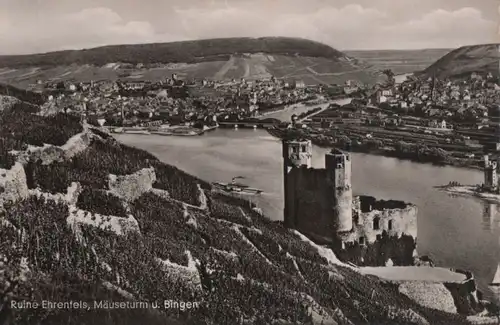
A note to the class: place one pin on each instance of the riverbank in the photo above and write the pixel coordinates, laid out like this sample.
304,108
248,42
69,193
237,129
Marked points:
308,103
470,190
166,131
430,156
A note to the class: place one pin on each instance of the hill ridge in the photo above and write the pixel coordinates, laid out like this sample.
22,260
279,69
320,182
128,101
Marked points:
174,52
481,58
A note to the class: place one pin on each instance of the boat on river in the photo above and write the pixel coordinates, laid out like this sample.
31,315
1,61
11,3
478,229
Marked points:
235,187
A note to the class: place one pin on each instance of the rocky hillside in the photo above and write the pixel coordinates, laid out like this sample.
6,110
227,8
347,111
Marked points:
465,60
85,218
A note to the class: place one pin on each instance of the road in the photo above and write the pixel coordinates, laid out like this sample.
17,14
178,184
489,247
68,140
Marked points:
225,68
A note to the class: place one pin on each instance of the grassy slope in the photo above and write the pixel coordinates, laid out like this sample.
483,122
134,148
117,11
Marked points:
467,59
276,268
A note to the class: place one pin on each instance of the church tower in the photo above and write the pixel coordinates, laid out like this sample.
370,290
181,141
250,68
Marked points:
338,169
296,154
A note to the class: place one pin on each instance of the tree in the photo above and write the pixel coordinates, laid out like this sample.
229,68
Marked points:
374,144
403,147
390,76
438,154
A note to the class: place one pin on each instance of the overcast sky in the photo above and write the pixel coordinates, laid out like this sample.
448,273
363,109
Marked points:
28,26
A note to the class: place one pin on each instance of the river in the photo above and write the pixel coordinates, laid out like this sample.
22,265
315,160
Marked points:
401,77
288,111
455,231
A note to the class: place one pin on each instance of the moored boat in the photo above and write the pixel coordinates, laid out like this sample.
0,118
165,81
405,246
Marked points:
235,187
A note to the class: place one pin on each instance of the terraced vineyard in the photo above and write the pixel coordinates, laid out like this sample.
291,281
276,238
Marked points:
110,222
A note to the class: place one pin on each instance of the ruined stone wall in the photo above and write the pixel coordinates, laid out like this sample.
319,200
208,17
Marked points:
130,187
394,221
13,185
49,154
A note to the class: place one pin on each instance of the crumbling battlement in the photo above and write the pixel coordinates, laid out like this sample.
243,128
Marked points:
369,203
372,217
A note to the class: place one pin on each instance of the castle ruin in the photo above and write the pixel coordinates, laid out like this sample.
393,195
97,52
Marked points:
320,202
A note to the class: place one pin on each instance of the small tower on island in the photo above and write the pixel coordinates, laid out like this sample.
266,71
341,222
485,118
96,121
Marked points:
490,174
296,154
338,168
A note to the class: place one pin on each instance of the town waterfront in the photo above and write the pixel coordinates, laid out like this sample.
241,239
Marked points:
456,232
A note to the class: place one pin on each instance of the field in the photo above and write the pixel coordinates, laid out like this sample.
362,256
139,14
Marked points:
400,61
249,66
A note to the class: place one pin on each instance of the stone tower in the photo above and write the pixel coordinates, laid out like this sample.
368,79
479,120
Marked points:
338,169
490,174
296,154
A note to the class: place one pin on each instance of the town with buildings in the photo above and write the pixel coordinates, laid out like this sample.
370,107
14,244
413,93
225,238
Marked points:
427,120
423,119
172,102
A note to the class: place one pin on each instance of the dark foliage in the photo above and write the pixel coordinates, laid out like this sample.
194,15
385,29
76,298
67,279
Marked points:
90,167
38,130
180,185
221,210
271,250
165,229
7,159
98,201
25,107
22,94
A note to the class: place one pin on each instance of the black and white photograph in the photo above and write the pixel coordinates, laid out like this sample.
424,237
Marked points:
249,162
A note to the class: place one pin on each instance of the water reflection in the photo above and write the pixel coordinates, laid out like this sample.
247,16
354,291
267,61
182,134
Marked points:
490,216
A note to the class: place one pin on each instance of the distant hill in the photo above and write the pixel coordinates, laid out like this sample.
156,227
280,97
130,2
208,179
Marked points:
220,59
465,60
399,61
174,52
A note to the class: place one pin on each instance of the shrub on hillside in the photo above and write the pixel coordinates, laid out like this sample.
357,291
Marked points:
7,159
292,243
221,210
271,250
98,201
57,177
165,229
38,130
180,185
48,240
90,167
22,94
